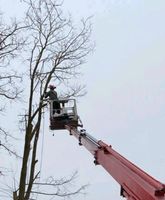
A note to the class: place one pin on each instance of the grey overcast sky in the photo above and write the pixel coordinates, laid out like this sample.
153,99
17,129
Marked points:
125,103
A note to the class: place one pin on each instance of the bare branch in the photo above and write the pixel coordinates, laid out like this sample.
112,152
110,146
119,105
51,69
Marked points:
62,187
10,43
11,152
62,194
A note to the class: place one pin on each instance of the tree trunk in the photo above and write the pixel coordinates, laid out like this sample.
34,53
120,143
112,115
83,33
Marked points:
22,185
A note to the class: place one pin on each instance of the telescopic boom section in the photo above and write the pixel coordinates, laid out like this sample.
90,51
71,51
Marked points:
135,183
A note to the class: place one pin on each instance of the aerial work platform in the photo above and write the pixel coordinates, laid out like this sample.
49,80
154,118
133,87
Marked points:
65,115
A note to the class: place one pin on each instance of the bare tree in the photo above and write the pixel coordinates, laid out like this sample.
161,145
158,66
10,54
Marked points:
55,51
11,44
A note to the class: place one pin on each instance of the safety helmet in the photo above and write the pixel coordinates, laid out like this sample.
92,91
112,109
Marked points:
52,87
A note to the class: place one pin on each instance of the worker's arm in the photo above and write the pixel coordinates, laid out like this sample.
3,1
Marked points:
46,95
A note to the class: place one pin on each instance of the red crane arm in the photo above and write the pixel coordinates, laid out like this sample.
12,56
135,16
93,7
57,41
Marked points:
135,183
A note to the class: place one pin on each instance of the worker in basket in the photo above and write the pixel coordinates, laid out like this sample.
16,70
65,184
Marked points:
52,94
